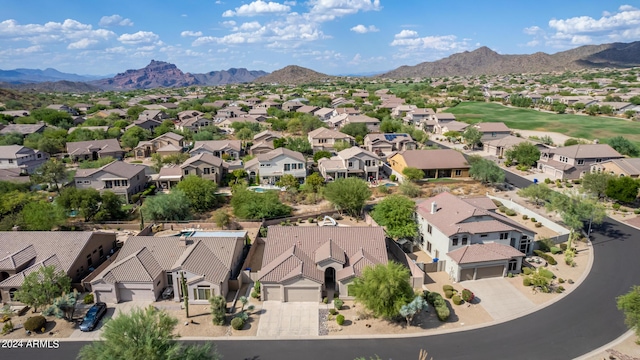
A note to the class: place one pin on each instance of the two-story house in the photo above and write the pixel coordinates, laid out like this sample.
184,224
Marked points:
231,149
492,130
418,117
386,144
21,158
471,239
205,166
325,114
94,149
145,123
351,162
263,142
119,177
271,166
324,139
194,124
166,144
571,162
436,164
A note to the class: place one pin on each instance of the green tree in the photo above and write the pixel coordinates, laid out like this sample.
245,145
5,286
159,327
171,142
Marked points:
575,209
300,145
624,146
592,110
629,303
144,334
413,174
95,164
321,154
289,182
167,207
486,171
218,310
348,194
389,126
134,112
413,308
355,129
53,117
63,307
51,172
254,206
395,213
134,135
12,138
623,189
85,201
41,287
524,153
245,134
40,216
595,183
111,208
383,289
537,193
222,219
313,182
340,145
472,136
200,192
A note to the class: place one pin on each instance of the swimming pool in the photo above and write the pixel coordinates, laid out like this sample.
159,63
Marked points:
199,233
390,184
262,189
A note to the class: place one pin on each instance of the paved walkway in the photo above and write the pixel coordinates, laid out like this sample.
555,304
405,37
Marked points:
499,298
282,319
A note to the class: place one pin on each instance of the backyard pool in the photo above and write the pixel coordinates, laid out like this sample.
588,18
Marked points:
261,189
199,233
390,184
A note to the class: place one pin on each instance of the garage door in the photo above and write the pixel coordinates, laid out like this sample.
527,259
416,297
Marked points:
136,295
489,272
466,274
271,293
301,294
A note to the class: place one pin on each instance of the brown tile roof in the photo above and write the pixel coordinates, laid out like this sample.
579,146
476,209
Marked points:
118,168
434,159
492,127
205,158
215,145
586,151
478,253
324,133
139,267
87,147
200,259
630,165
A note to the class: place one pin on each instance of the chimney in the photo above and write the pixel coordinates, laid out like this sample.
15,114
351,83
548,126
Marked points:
182,241
434,207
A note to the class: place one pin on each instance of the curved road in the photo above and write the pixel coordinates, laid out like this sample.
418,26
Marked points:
582,321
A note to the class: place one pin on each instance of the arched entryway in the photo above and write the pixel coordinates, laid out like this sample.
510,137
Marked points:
330,279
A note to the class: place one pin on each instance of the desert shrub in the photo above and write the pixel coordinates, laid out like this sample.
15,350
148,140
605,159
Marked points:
526,281
448,294
560,289
509,275
325,300
337,303
311,220
525,217
527,271
533,220
547,257
467,295
569,185
510,212
7,327
576,181
336,216
561,280
616,206
555,250
546,273
447,287
502,209
560,186
340,319
392,177
432,297
410,190
547,181
498,203
333,311
456,299
636,211
254,294
563,246
538,225
35,323
88,299
384,189
237,323
443,313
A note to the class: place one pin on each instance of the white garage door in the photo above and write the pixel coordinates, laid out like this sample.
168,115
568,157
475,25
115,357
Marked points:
271,293
301,294
136,295
489,272
106,296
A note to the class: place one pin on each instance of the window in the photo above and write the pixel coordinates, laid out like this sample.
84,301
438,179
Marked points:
108,184
322,141
367,163
504,236
89,261
598,160
202,293
454,241
483,235
350,164
206,171
87,182
10,161
458,172
125,182
429,229
137,177
428,246
100,251
78,181
116,183
513,265
169,278
287,167
186,172
581,162
465,240
39,156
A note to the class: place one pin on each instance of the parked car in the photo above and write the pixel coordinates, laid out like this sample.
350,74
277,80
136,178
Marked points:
93,316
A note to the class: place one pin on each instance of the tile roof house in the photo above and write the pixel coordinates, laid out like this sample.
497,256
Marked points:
194,124
94,149
372,123
439,163
263,142
119,177
219,148
351,162
206,166
165,144
499,146
386,144
76,253
470,238
21,158
619,167
571,162
308,263
324,139
492,130
23,129
271,166
146,265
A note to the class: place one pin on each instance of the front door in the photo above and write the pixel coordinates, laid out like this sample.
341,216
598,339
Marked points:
330,279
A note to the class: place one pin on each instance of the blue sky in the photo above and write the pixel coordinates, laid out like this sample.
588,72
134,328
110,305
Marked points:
329,36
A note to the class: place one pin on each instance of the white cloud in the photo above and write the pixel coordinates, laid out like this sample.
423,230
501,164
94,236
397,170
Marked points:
532,30
21,51
533,43
67,32
405,34
140,37
229,23
258,7
326,10
191,33
82,44
116,50
203,40
250,26
361,29
114,20
410,40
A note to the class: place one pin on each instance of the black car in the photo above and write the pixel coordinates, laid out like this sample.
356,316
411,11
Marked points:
95,313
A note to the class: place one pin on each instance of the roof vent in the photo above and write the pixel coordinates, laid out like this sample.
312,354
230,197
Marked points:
434,207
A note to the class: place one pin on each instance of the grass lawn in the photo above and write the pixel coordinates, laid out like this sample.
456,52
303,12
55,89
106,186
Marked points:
587,127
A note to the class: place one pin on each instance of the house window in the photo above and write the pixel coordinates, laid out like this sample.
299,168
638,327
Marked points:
454,241
116,183
428,246
322,141
465,240
458,172
287,167
125,182
598,160
78,181
39,156
202,292
89,261
513,265
10,161
186,172
429,229
100,251
581,162
350,164
169,278
504,236
87,182
483,235
108,184
206,171
367,163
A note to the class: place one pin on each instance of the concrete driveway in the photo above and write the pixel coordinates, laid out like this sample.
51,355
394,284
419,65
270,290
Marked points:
499,298
288,319
113,310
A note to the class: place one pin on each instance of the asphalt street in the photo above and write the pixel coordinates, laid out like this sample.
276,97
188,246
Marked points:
582,321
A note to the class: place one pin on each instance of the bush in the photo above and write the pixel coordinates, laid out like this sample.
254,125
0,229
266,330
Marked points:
555,250
502,209
525,217
88,299
547,181
254,294
510,212
311,220
456,299
467,295
7,327
325,300
392,177
526,281
237,323
333,311
337,303
561,280
546,273
560,289
432,297
340,319
547,257
448,294
538,225
636,211
498,203
35,323
443,313
336,216
447,287
563,247
527,271
533,220
616,206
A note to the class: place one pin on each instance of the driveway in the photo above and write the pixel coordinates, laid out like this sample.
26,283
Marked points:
113,310
288,319
499,298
